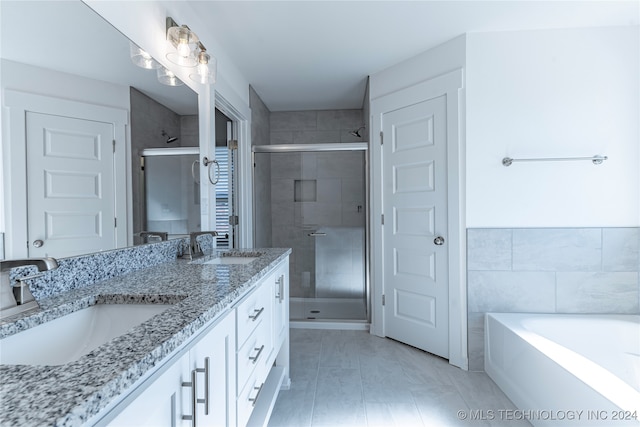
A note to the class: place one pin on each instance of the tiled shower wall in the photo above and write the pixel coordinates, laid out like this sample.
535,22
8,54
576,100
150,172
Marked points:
332,188
549,270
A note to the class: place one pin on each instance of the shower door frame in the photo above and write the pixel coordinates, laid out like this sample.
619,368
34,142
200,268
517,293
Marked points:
329,147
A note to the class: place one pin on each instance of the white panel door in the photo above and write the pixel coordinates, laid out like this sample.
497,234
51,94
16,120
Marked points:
415,225
70,185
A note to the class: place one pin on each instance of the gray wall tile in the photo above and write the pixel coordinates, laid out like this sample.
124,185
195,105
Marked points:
557,249
260,135
489,249
281,137
339,119
620,249
293,120
315,137
506,291
598,292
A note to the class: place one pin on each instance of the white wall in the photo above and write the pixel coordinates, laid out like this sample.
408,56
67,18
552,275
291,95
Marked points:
553,93
441,59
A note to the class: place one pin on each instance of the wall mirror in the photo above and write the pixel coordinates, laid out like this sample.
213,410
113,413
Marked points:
79,42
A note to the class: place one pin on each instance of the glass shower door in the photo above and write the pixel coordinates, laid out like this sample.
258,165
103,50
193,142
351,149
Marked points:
317,208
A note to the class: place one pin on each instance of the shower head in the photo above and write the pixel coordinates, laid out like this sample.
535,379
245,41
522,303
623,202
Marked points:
357,132
170,139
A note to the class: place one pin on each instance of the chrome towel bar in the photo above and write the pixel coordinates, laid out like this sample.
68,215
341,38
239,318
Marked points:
596,160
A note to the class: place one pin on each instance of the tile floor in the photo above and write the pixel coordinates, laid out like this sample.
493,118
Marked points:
352,378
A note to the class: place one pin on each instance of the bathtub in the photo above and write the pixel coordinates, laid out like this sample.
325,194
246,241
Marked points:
567,369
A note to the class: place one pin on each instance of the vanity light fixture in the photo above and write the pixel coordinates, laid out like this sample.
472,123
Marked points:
141,58
184,44
206,68
167,77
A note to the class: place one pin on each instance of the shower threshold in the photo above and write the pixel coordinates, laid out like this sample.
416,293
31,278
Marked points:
348,310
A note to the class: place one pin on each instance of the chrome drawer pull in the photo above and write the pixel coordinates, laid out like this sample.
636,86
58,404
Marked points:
255,358
256,315
255,399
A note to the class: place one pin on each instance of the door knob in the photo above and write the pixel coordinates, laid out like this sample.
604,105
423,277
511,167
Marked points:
439,241
38,243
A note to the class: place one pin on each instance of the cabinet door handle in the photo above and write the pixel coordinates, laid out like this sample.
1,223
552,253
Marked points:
281,287
206,385
191,384
253,400
255,358
256,314
204,371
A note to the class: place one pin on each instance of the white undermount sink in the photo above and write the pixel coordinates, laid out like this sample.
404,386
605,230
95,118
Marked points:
70,337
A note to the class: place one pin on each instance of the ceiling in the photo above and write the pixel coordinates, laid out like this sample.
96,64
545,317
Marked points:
317,54
298,55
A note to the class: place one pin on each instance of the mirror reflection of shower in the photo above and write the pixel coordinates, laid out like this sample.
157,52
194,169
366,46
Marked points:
170,139
172,190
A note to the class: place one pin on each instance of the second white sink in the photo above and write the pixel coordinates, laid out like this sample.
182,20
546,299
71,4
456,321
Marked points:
70,337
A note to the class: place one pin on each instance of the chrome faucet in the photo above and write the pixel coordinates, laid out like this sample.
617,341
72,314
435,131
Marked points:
17,298
195,250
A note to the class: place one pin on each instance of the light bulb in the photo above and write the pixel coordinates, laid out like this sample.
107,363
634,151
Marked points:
203,70
183,49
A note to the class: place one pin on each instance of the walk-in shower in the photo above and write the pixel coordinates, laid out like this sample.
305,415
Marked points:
315,203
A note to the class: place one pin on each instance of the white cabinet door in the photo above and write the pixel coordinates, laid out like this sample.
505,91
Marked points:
213,362
161,404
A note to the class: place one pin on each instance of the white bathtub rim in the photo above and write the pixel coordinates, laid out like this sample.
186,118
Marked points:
611,387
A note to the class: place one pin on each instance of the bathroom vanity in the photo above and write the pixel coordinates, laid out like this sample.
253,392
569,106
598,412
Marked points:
216,352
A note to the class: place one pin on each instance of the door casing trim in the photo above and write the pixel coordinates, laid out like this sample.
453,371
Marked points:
15,167
450,85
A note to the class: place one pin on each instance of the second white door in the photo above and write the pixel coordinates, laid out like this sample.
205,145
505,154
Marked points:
415,225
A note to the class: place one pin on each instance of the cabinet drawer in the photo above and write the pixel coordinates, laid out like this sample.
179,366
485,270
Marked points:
248,396
251,312
253,353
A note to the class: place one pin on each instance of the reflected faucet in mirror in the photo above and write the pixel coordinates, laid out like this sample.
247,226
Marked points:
16,298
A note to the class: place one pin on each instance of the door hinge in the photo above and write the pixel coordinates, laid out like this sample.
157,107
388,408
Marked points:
114,145
115,222
382,218
381,137
232,144
384,300
233,220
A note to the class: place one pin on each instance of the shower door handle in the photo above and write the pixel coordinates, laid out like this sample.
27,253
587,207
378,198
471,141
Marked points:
193,172
316,234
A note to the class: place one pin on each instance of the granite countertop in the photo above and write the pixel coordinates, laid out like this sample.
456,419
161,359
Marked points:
71,394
